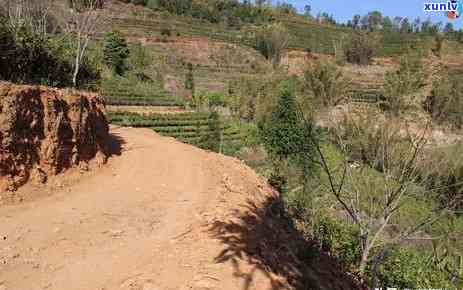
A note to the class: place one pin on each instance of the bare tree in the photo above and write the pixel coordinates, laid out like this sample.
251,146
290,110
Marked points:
31,15
82,19
373,190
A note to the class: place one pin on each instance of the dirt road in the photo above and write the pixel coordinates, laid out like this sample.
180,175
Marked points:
139,223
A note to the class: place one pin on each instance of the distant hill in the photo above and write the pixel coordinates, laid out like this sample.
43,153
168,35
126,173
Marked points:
306,33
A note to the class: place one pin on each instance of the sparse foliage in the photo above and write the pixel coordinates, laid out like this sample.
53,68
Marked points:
140,58
212,139
33,16
27,56
271,40
401,84
325,83
82,20
374,201
340,238
439,40
445,104
361,48
412,269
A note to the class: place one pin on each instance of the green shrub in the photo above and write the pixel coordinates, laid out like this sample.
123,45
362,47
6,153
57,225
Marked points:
212,140
115,52
208,100
411,269
340,238
280,133
251,134
216,99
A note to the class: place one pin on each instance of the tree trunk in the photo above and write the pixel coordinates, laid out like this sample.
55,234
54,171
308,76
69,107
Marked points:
77,62
364,260
76,72
377,260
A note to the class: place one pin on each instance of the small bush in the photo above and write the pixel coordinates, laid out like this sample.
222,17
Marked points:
361,48
216,99
212,139
411,269
403,83
439,40
271,40
445,180
369,142
140,58
445,104
325,83
340,238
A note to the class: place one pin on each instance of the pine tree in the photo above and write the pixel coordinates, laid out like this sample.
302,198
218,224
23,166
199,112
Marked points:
115,52
280,134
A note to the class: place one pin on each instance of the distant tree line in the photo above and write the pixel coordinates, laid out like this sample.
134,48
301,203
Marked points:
375,21
232,12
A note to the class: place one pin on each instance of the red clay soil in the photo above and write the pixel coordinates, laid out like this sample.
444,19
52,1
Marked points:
45,131
161,215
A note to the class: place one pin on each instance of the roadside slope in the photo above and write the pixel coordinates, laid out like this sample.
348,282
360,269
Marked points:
162,215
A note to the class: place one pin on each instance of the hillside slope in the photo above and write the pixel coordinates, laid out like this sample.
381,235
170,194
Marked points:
161,215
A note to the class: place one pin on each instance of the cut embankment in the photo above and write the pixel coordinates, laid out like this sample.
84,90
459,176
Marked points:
44,131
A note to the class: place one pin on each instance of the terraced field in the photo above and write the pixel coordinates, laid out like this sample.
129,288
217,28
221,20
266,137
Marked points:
192,128
183,26
305,34
366,82
125,94
215,64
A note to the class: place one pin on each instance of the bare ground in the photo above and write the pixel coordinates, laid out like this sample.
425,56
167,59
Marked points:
160,215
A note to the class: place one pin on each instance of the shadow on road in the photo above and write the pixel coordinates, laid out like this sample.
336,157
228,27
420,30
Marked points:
266,238
115,143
